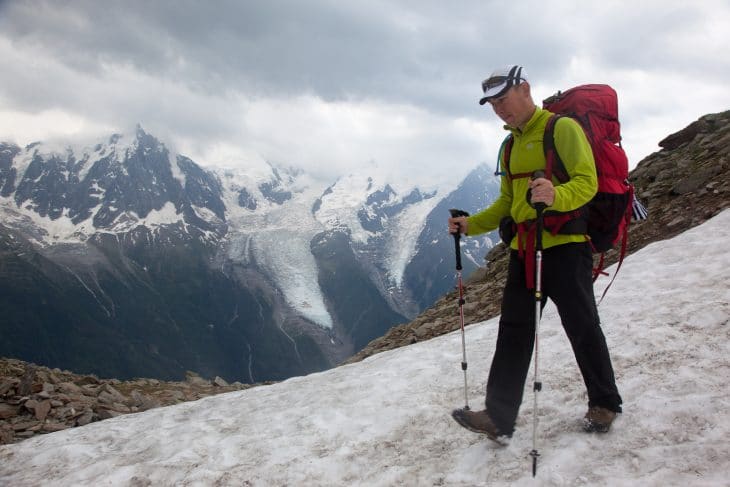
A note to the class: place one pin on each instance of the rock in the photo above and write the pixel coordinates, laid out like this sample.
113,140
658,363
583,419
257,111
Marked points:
104,413
53,376
90,390
88,380
193,378
175,396
143,402
118,396
25,425
423,330
26,382
86,417
219,382
696,180
6,434
105,397
8,411
684,136
53,427
30,404
70,388
7,385
42,409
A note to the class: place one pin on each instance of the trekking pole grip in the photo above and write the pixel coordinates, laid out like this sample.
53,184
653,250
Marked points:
539,208
457,236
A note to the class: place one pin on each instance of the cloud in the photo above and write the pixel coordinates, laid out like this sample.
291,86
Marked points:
336,86
328,138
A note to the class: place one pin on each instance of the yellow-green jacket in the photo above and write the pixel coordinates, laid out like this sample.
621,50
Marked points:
527,156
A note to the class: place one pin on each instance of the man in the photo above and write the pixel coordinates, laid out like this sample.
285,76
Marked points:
566,263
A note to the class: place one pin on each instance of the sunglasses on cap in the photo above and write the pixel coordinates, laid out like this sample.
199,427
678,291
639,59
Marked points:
495,81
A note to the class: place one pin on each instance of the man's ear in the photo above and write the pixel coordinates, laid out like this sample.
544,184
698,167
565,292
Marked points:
525,86
525,92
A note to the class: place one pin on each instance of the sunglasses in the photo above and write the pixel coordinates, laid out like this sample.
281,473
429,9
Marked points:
495,81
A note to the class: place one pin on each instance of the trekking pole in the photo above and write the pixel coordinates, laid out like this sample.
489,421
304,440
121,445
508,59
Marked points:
457,247
537,385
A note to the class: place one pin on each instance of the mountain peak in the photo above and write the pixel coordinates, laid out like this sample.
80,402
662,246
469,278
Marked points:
139,131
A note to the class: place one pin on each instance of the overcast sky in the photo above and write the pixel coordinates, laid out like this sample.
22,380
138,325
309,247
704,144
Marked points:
338,86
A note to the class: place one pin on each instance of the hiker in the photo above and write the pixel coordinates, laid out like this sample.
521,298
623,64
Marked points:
566,261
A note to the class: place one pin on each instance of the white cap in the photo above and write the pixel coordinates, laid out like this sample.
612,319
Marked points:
502,80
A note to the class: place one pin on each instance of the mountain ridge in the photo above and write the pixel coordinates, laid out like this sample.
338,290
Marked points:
144,254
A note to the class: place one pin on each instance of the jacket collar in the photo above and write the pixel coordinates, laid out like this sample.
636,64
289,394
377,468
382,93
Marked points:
530,123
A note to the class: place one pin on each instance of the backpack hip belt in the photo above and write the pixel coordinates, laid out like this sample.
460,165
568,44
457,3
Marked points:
568,223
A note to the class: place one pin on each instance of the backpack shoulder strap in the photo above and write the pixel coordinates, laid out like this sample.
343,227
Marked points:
553,163
506,152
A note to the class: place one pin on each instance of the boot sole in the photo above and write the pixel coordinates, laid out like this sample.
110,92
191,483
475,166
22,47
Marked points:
593,427
500,440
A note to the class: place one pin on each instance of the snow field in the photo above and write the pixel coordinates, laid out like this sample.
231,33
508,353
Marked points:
385,421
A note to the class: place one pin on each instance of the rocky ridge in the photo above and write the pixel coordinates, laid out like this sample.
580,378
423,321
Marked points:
682,185
36,400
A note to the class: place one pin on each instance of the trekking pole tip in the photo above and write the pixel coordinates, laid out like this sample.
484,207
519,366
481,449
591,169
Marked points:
534,456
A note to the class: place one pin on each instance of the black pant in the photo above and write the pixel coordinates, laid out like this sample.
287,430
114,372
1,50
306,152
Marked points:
567,281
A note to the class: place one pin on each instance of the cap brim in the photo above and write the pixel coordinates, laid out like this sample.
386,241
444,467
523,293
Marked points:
499,90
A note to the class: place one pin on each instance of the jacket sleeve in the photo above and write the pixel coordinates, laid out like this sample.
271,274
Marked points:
489,218
577,156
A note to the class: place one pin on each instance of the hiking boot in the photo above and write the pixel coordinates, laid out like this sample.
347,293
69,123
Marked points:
598,419
479,422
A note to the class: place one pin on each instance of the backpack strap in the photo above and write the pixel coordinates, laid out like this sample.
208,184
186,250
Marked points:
526,243
622,252
553,162
504,152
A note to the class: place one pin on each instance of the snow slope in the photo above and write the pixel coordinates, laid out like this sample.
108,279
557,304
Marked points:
385,421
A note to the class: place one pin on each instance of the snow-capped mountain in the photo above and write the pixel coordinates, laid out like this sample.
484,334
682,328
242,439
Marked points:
122,258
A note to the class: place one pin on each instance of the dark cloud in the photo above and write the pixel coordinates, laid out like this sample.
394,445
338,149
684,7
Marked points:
334,50
207,72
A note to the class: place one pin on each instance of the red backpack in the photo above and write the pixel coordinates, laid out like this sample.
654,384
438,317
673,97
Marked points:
608,214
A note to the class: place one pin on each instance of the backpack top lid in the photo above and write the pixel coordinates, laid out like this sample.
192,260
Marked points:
595,106
583,99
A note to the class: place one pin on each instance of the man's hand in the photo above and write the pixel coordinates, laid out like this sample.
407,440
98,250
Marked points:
543,191
458,225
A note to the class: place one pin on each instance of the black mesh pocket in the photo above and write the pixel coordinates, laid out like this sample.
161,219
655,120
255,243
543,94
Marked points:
607,212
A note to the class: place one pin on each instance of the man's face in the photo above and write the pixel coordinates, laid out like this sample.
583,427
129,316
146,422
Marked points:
512,107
